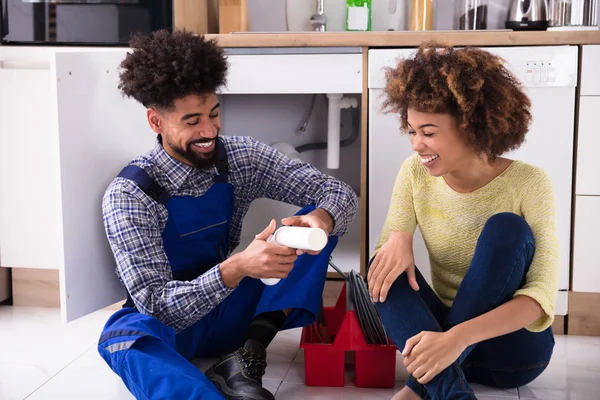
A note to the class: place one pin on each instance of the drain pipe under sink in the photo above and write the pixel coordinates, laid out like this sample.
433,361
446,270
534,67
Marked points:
336,103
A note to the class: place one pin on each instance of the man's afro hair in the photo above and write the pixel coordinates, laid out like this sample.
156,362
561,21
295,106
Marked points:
167,66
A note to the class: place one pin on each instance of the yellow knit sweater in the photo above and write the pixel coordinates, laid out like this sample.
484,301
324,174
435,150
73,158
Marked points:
451,223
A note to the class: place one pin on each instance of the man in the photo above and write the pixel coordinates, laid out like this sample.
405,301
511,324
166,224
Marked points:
173,217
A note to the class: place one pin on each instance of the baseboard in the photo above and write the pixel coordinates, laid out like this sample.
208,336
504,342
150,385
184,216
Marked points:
558,326
5,292
584,314
35,287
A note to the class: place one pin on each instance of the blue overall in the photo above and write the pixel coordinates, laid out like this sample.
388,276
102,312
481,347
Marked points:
150,357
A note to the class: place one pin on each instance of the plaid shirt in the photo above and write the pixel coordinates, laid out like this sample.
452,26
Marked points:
134,222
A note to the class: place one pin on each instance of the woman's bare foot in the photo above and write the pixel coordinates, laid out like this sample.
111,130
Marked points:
406,394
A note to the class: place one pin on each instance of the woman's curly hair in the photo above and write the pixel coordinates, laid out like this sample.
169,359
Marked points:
492,111
167,66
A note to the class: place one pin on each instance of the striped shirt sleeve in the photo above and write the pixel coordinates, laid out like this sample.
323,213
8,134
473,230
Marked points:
131,224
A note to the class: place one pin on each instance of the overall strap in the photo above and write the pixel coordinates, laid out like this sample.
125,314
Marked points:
222,163
147,184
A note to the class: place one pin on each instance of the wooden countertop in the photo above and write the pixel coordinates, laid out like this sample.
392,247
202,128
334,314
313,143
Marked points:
405,39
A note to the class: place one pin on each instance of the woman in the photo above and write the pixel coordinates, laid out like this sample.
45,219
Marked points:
488,223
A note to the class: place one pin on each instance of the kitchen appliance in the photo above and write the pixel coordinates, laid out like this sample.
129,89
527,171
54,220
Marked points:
527,15
81,22
549,77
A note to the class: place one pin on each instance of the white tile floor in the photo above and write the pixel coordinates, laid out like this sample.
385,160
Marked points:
41,358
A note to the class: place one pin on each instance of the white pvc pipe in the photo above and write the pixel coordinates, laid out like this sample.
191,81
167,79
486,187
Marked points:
297,237
333,131
300,237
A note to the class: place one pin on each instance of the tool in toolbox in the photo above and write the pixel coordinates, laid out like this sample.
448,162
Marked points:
353,324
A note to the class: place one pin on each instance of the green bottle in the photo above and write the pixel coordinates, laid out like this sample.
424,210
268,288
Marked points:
358,15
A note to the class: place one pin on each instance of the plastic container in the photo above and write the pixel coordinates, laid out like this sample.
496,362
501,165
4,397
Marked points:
358,15
471,15
374,365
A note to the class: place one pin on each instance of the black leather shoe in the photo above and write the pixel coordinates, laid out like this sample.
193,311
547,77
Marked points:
238,375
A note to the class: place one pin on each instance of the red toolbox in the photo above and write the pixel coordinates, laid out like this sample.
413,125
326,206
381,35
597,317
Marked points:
374,365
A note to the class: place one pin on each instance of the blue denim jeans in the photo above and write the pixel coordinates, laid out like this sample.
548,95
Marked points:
500,263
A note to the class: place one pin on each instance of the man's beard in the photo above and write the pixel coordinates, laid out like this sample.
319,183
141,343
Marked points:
203,161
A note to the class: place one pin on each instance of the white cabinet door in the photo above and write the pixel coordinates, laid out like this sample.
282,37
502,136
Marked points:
100,132
590,71
586,263
588,169
30,220
294,73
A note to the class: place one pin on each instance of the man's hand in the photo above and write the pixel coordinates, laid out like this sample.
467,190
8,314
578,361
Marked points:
268,260
319,218
429,353
259,260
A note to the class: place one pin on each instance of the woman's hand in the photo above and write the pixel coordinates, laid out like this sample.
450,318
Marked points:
429,353
394,258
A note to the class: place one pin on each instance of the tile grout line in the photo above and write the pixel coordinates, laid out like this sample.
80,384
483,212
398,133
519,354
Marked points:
287,372
59,371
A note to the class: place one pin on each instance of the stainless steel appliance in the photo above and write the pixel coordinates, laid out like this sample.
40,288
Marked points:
527,15
81,22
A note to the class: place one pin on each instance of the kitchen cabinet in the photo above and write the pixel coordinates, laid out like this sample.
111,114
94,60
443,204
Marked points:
588,169
62,143
586,272
590,70
87,131
30,227
586,262
89,280
276,72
